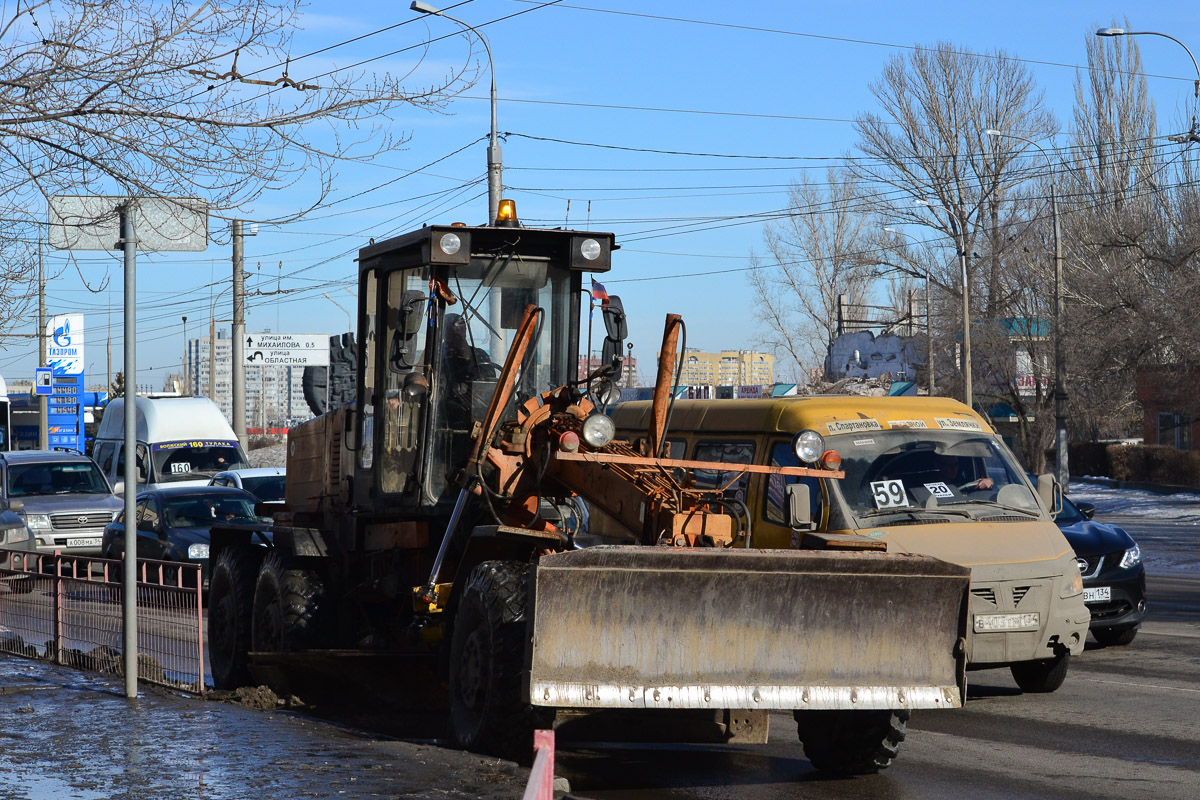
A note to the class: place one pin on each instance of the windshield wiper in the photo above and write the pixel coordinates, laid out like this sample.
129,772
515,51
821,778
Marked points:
912,511
993,504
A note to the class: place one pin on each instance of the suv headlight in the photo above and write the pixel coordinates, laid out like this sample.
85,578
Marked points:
14,535
197,551
1132,557
38,522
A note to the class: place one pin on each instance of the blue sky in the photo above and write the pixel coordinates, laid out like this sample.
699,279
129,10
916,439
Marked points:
764,89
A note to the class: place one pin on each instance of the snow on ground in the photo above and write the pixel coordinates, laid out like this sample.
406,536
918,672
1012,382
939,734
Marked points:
1134,502
1165,526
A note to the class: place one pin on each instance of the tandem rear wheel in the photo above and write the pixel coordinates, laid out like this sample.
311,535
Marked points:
848,742
487,657
230,596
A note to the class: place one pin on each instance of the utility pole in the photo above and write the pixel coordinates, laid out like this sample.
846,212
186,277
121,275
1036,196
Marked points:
43,409
238,367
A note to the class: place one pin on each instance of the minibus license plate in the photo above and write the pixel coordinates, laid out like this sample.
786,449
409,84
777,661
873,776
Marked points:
1007,622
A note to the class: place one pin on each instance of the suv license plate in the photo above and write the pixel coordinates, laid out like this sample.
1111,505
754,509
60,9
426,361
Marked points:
1097,594
1007,622
91,541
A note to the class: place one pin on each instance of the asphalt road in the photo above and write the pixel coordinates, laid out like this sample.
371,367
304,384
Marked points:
1126,724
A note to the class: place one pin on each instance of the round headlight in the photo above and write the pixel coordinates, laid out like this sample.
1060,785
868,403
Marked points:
450,243
808,446
589,249
598,430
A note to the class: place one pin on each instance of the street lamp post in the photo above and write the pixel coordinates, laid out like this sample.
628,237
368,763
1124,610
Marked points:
187,375
494,161
1196,91
928,313
1062,469
968,393
349,319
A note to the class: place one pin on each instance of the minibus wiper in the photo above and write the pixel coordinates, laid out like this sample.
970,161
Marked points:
913,512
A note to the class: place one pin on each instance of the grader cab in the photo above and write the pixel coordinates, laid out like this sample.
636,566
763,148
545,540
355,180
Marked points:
441,516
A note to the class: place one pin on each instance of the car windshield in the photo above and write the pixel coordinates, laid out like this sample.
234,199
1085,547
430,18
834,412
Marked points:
48,478
916,471
208,510
267,488
190,460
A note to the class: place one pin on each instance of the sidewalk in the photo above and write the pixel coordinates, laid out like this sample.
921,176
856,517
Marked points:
71,734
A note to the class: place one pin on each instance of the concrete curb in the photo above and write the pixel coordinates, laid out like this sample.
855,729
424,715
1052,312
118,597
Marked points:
1144,486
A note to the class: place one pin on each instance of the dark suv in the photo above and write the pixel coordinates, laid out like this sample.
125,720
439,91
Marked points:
63,497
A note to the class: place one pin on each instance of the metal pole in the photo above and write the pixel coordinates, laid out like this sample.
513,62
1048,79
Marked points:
1063,469
968,394
238,368
129,593
43,405
929,331
187,363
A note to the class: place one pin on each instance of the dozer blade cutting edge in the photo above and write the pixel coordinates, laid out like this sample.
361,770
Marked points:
659,627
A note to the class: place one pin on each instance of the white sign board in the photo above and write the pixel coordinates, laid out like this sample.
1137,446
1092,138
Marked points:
64,345
93,222
287,349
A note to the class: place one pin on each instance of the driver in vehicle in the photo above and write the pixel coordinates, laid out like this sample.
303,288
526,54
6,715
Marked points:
952,472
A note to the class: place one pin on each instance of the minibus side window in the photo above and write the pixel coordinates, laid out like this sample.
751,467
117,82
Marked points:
775,500
727,452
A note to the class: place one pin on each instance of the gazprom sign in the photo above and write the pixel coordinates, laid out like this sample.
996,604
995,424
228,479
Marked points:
64,344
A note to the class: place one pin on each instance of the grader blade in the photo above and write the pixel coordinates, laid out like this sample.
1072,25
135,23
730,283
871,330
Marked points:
659,627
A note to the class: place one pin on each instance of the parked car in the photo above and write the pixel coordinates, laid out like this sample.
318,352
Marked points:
265,483
174,523
1114,579
62,497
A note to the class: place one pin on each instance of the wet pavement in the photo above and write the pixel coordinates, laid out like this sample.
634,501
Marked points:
71,734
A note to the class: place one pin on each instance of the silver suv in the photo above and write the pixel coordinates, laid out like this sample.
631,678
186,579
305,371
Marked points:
63,497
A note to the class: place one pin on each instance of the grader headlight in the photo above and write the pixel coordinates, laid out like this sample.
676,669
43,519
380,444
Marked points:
598,430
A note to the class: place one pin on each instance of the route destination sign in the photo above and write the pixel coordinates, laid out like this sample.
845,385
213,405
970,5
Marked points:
287,349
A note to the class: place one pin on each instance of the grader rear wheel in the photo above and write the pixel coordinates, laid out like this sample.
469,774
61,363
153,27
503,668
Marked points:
230,595
288,607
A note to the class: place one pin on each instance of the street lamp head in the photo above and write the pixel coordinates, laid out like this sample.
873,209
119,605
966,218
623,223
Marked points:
891,230
1100,32
993,132
423,8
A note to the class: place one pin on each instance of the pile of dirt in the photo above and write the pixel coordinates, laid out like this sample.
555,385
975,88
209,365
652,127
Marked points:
261,698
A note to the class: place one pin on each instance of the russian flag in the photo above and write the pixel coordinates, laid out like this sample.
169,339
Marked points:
599,292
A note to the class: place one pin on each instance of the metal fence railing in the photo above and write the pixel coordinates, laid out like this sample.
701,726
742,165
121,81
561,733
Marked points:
68,609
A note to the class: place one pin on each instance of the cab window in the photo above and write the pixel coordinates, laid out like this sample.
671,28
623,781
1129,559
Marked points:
775,498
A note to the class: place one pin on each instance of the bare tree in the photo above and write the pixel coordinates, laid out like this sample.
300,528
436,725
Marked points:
169,98
926,149
817,251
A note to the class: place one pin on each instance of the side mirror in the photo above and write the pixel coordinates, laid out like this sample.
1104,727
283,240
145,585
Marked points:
799,500
146,525
16,505
1050,492
119,487
403,355
1087,509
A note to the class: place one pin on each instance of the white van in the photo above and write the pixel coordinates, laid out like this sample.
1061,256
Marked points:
181,441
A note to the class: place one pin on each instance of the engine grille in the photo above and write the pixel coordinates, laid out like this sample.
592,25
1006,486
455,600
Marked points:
985,593
1019,592
88,519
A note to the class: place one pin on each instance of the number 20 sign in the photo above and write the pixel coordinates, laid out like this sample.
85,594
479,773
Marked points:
889,494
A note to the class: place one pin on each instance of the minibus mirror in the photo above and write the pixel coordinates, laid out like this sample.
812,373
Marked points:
1051,493
799,499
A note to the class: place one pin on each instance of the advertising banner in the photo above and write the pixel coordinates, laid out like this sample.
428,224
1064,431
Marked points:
64,344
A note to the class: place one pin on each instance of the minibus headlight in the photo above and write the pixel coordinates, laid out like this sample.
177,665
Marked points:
1072,581
808,446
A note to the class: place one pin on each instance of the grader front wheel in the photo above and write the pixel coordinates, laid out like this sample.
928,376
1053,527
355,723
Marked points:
487,654
851,742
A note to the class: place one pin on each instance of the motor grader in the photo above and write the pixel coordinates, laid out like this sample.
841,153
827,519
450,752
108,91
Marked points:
436,528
